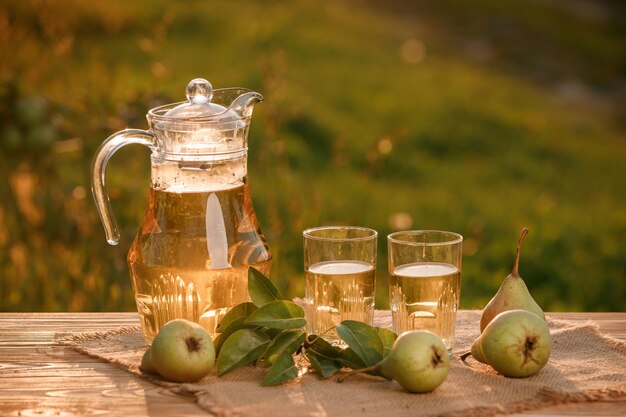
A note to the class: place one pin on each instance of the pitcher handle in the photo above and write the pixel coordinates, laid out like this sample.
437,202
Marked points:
98,178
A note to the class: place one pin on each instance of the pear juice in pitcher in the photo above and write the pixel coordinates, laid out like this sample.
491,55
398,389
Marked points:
203,278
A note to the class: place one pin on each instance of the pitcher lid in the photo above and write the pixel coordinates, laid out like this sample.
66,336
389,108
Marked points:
199,106
209,124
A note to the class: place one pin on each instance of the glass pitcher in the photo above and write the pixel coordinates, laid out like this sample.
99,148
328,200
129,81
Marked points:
199,233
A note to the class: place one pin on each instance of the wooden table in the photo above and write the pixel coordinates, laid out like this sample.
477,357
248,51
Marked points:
40,378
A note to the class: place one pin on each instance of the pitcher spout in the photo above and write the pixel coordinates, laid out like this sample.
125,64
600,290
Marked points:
244,104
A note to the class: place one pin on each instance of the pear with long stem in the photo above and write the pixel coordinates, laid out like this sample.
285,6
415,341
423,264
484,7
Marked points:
512,295
418,361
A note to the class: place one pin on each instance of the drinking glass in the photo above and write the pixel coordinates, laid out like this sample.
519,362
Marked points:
340,268
425,281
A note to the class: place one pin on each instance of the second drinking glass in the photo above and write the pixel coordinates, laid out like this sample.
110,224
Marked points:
340,267
425,281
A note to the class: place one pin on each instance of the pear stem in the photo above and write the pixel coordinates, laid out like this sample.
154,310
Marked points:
515,271
343,377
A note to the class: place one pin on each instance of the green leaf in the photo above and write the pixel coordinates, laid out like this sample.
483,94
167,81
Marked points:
322,348
323,366
278,315
350,359
288,341
228,331
272,333
261,289
283,369
242,347
387,337
363,340
237,312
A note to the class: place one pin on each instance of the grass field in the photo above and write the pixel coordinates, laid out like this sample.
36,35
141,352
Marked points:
480,119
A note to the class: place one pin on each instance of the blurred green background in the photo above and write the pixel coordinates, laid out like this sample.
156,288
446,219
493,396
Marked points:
478,117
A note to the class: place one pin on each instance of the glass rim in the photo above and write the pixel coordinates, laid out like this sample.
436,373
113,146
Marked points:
454,238
308,233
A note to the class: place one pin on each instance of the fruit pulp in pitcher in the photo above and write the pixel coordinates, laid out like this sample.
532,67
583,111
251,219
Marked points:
425,296
173,271
337,291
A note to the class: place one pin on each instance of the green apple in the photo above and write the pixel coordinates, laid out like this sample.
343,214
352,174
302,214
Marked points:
516,343
182,351
418,361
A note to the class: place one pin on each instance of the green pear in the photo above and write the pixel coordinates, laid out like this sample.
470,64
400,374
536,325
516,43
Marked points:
418,361
516,343
512,295
147,364
477,352
182,351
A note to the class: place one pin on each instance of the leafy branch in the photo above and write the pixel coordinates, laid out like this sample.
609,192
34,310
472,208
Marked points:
269,332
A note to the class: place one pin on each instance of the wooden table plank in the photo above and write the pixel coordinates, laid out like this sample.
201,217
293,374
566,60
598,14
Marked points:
39,377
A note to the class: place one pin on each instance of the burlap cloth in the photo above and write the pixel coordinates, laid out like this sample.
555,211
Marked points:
584,366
